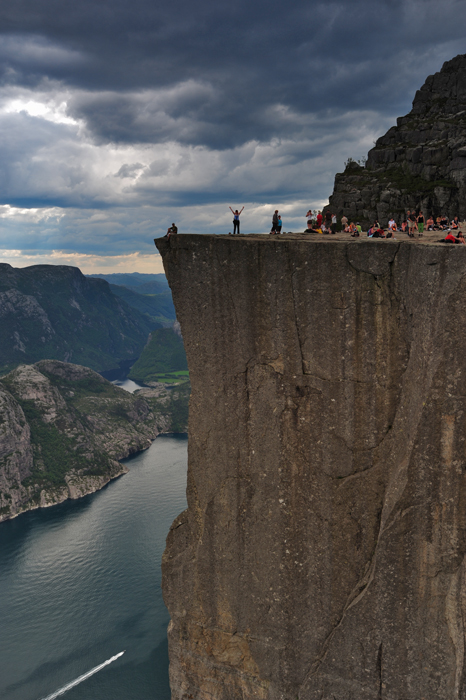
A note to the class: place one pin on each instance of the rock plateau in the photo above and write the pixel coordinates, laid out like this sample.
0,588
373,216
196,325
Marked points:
322,553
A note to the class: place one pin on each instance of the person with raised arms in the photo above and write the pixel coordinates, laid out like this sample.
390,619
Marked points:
236,215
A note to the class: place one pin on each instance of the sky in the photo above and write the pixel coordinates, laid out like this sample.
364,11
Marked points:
119,117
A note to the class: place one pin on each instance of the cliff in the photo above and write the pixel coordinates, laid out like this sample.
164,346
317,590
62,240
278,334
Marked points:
418,164
55,312
63,429
322,553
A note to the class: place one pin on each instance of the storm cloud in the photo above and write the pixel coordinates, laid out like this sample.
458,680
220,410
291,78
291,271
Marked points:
123,116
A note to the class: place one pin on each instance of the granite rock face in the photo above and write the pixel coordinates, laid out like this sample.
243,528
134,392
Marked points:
418,164
322,553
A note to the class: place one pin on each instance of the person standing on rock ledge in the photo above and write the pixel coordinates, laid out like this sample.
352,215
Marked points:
412,223
420,223
275,218
236,215
328,221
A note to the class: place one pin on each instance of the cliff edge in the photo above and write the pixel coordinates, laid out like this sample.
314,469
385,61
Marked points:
322,554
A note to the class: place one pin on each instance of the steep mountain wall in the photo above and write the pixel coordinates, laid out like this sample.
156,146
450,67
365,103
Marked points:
55,312
418,164
322,554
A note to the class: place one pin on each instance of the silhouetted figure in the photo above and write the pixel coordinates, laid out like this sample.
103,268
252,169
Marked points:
172,231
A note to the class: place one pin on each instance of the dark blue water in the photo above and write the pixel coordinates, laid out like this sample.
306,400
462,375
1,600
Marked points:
80,582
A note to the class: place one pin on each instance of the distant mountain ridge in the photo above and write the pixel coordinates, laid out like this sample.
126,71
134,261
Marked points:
55,312
141,282
158,306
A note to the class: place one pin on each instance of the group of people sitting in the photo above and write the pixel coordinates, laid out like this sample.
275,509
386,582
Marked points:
413,223
442,223
318,223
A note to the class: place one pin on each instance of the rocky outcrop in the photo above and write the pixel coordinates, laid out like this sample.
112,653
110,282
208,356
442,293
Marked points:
170,404
55,312
419,164
322,553
63,429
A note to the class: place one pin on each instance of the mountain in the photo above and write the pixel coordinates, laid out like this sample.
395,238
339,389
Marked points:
418,164
55,312
63,429
144,283
151,288
163,358
159,307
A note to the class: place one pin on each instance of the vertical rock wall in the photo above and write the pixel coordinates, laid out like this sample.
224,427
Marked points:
418,164
322,552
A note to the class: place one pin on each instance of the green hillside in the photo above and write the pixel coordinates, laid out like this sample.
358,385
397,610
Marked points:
55,312
159,307
162,360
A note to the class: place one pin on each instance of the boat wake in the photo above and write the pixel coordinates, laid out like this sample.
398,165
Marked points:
84,677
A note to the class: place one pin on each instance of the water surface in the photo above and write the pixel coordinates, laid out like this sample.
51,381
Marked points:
80,582
127,385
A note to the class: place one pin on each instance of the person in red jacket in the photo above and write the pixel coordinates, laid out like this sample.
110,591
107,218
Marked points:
319,219
449,238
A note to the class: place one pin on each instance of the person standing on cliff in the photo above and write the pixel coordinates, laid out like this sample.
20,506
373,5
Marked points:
236,215
420,224
411,223
319,219
344,223
328,221
275,218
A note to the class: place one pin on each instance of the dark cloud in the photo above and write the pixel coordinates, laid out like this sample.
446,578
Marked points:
112,107
247,56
